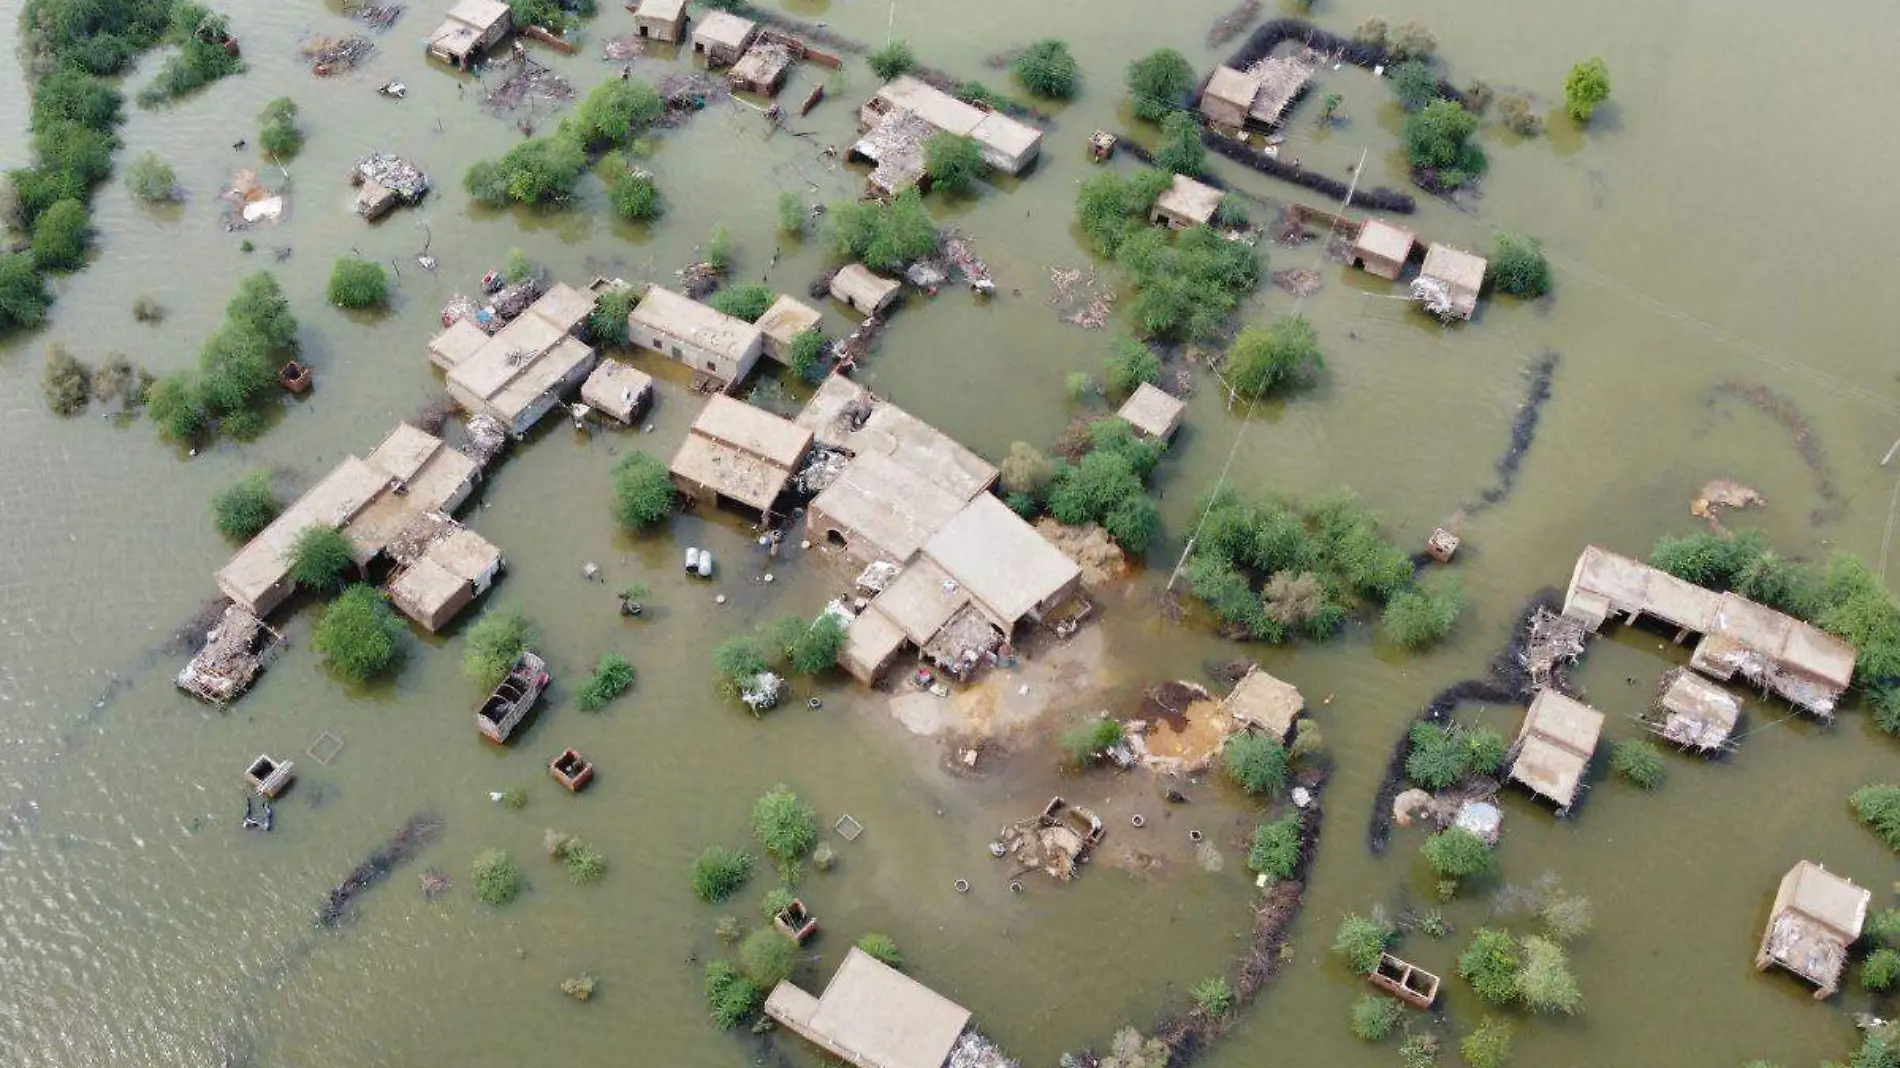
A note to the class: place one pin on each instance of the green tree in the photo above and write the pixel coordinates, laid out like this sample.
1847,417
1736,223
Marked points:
643,491
1047,69
358,283
791,214
785,825
731,996
634,196
1130,364
280,136
243,509
1878,807
892,60
1375,1017
1181,150
1880,972
61,237
498,878
808,354
1159,82
1214,997
518,268
1426,612
1456,853
1085,742
1491,965
23,295
1415,83
612,677
1276,847
586,865
1545,983
1518,266
1484,750
719,873
608,320
887,237
322,559
883,947
746,302
616,113
738,661
1262,361
816,649
1587,86
495,642
1361,940
1256,761
1639,762
359,634
151,179
538,171
175,406
1489,1045
1438,137
767,957
953,161
66,382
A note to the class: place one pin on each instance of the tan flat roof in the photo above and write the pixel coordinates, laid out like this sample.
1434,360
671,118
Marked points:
931,104
1006,136
1190,199
787,318
668,10
755,430
892,507
1830,899
481,13
723,28
563,306
438,478
1550,770
1001,559
1555,744
921,600
685,318
406,451
1628,585
1565,721
870,641
1233,87
546,374
617,389
460,341
855,284
1152,411
264,561
875,1016
1701,713
489,369
1265,702
729,472
1458,269
762,64
1383,240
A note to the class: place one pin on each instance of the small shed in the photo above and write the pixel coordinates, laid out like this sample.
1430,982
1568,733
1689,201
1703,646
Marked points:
763,68
873,1016
862,291
1816,916
1555,745
1229,96
617,391
1262,701
1696,713
1382,249
870,644
1011,572
736,452
723,37
781,324
1153,412
454,570
1461,274
1186,204
471,28
661,20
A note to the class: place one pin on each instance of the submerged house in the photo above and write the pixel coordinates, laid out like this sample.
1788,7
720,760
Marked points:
471,28
1153,412
720,349
781,324
1696,713
235,652
1553,748
872,1016
1815,917
1265,703
722,37
1006,144
1449,282
763,68
442,567
661,20
617,391
1382,249
738,454
1260,94
520,374
857,288
1186,204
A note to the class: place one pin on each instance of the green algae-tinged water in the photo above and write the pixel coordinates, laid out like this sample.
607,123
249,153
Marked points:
1725,221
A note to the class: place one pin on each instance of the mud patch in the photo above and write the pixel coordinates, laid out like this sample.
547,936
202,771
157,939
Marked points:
1781,408
1101,560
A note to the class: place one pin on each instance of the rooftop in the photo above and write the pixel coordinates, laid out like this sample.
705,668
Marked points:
1460,270
1233,86
444,571
434,478
762,64
873,1016
1000,558
1263,701
787,318
1700,713
755,430
871,640
1383,240
723,28
689,320
844,415
1281,79
1189,199
667,10
1605,582
452,346
1152,411
896,145
479,13
921,600
263,562
1006,136
1555,744
857,285
933,105
1815,917
733,474
617,389
891,507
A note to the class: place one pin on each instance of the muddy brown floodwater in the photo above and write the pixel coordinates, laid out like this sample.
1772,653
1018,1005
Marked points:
1709,230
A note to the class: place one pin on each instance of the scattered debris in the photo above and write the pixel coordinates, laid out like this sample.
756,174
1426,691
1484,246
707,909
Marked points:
622,48
686,94
1081,297
1299,281
1719,494
1233,24
233,655
334,55
530,82
380,16
386,180
249,201
1055,840
436,883
1782,409
1553,642
973,1050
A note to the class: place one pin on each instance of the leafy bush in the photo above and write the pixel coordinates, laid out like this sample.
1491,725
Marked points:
1639,762
1484,751
1456,853
785,825
1106,487
808,353
176,409
634,196
892,60
887,237
1438,759
539,171
1587,86
1361,940
615,114
776,900
586,865
23,295
201,58
495,642
719,248
1491,964
280,136
1256,761
515,797
1214,997
608,320
1185,289
1545,983
322,559
1026,470
738,661
817,647
1130,364
746,302
1426,612
579,987
719,873
1159,82
1263,360
358,283
359,634
61,237
1047,69
1375,1016
1276,847
791,214
1489,1046
1883,928
243,509
1084,743
1878,807
65,382
883,947
498,878
1181,150
1415,83
1438,138
611,678
643,491
731,996
767,957
1112,208
151,179
1518,266
953,161
1880,972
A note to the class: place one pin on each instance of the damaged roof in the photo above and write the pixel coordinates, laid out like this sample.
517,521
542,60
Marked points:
1555,744
1266,702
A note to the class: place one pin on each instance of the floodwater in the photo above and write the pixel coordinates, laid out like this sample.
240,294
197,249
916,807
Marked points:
1714,226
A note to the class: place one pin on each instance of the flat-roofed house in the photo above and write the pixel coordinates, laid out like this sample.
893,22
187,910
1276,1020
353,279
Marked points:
879,509
454,569
1153,412
257,578
1186,204
781,324
872,1016
1381,249
1461,273
471,28
1696,712
862,291
1262,701
1011,572
423,475
844,415
870,644
1006,144
719,348
1555,745
1815,917
763,68
617,391
740,454
1229,96
661,20
520,374
722,37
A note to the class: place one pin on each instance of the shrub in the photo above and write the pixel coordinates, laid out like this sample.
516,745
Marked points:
608,320
585,864
1883,928
117,379
1415,83
1373,31
975,92
616,113
1079,386
1518,267
1181,150
1256,761
518,268
1484,751
358,283
200,59
1084,743
1360,940
1878,807
61,237
1374,1016
1489,1046
66,383
643,491
635,197
719,873
1519,115
246,507
515,798
883,947
1438,759
892,60
731,996
1457,853
719,248
1639,762
280,136
579,987
1587,86
953,161
738,661
147,309
1159,82
1130,364
1426,612
1276,847
1214,997
23,295
322,559
1047,69
1545,982
1880,972
1412,41
808,353
495,642
1026,470
824,857
887,237
791,214
498,878
176,408
539,171
746,302
359,634
784,824
1490,965
1438,137
152,179
1264,360
776,900
611,678
1111,208
817,647
767,957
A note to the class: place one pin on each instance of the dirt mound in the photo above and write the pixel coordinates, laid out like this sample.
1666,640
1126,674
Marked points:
1102,561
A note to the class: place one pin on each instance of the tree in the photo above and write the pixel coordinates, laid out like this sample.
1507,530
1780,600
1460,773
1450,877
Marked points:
1484,751
887,237
1415,83
643,491
746,302
518,268
1084,743
616,113
785,825
883,947
1519,115
1456,853
243,509
1878,807
539,171
731,996
719,873
953,161
791,214
1261,361
72,95
498,878
1375,1016
1256,761
1130,364
892,60
1412,41
738,661
608,320
1214,997
1438,138
635,197
1545,983
176,408
151,179
1181,150
1361,940
359,634
23,296
61,237
1047,69
358,283
1880,972
808,354
1490,965
1639,763
767,957
611,678
322,559
1160,82
1276,847
1587,86
1518,266
1026,470
817,648
495,642
1489,1046
280,136
1425,613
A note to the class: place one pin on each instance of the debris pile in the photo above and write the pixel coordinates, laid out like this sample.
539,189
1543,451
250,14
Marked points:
486,438
333,55
699,279
249,202
975,1051
1553,642
380,16
623,48
1719,494
823,465
530,82
497,311
1055,840
1082,298
394,173
410,839
234,653
1298,281
688,93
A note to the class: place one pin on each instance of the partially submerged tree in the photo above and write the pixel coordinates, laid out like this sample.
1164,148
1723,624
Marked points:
1545,983
1518,266
1878,807
612,676
1638,762
61,237
498,878
785,825
23,295
1490,964
1181,150
1262,361
643,491
65,382
887,237
1375,1017
767,957
539,171
883,947
892,60
358,283
718,873
1361,940
1026,470
1457,854
359,634
1256,761
730,996
1276,847
322,559
280,136
953,161
1130,364
1415,83
634,196
1587,86
1438,139
791,214
495,642
1425,613
747,302
151,179
615,114
1047,69
243,509
808,354
1159,83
